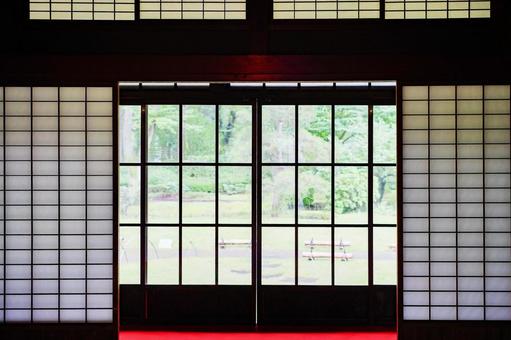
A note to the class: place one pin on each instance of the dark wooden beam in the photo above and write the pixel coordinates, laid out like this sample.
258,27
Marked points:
107,68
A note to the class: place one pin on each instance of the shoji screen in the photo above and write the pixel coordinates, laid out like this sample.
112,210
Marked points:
82,9
326,9
57,231
192,9
437,9
456,203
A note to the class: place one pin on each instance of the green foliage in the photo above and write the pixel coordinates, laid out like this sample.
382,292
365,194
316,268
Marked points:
235,134
129,127
199,132
314,133
385,187
163,126
351,146
164,180
320,124
314,184
235,145
278,144
351,133
351,189
199,179
308,198
235,180
384,134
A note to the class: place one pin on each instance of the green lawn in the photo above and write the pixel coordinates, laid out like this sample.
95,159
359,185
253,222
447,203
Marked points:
233,209
277,247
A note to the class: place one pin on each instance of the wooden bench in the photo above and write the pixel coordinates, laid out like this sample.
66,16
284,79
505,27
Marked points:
311,256
234,243
341,244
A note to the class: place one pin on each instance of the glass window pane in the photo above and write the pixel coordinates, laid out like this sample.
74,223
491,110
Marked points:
199,133
314,134
278,134
198,255
351,259
234,256
129,194
351,140
198,194
162,255
235,194
163,133
385,256
278,256
129,134
314,183
351,195
384,134
235,134
163,194
278,194
385,195
315,256
129,255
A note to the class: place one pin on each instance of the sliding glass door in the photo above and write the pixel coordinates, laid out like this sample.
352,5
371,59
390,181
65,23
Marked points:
328,211
186,211
258,206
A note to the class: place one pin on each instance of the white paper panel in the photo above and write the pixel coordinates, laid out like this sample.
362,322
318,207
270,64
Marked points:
416,254
468,107
456,201
51,197
190,9
81,10
416,313
415,107
442,107
442,224
439,9
415,224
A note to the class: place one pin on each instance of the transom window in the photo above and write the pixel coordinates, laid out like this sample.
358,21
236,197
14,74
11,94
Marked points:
437,9
326,9
236,9
192,9
82,9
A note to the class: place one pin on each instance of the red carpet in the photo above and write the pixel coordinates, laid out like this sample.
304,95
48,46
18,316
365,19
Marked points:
160,335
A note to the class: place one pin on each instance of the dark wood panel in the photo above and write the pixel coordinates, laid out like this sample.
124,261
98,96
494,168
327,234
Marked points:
447,330
326,305
187,305
59,331
132,305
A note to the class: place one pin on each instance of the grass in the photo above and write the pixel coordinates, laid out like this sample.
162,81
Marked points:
233,209
277,247
323,217
236,209
277,256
